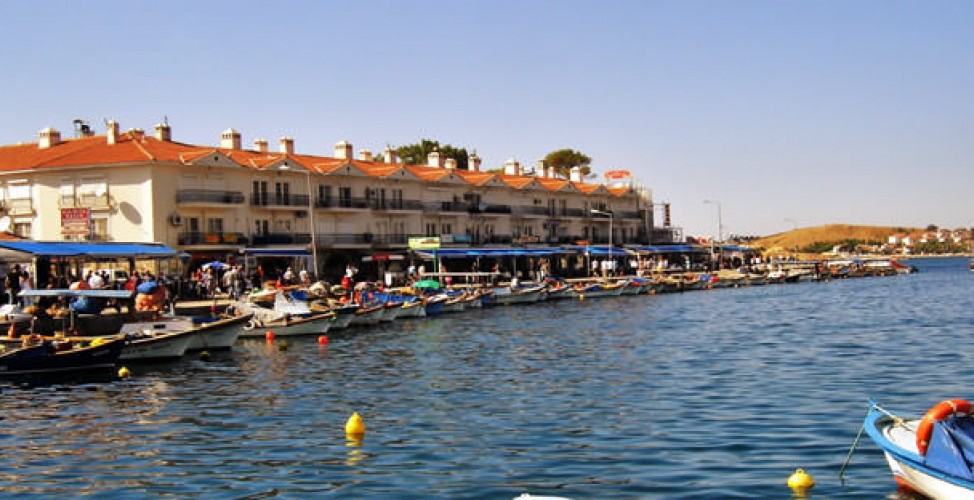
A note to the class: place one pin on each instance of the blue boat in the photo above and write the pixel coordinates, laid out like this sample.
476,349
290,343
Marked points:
933,455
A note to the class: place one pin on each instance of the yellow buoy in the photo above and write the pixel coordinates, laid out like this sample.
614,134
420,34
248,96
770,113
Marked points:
800,480
581,297
123,372
355,427
205,355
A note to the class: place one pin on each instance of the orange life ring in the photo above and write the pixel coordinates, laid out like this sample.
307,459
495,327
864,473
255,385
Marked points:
935,414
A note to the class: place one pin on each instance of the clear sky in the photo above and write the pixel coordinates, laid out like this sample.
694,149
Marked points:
787,113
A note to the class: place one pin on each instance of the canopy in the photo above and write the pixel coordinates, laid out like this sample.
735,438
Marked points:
669,249
83,249
463,253
598,250
426,284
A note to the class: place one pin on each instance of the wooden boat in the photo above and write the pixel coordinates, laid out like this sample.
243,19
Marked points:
50,358
517,295
284,321
933,455
593,290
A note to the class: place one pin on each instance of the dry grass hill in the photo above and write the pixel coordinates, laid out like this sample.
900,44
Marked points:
800,238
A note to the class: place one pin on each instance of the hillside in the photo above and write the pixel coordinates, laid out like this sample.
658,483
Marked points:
801,238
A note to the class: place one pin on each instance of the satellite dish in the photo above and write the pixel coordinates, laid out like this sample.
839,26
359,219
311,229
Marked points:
4,224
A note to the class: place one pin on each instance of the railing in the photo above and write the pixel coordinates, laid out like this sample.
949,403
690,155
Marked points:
209,196
201,238
273,200
530,210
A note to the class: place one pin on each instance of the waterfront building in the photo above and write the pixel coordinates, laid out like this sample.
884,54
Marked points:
227,201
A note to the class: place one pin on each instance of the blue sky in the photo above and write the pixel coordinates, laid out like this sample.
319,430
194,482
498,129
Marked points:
787,113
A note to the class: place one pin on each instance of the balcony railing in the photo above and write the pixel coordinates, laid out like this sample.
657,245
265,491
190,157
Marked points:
201,238
529,210
274,200
209,196
281,238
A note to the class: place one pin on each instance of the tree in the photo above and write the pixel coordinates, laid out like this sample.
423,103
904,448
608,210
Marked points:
932,227
416,154
565,159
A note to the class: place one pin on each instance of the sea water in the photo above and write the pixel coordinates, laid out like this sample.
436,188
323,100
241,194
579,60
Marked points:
710,394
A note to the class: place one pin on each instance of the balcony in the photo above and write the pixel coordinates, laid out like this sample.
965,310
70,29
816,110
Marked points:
395,205
200,238
447,206
203,197
281,239
20,206
272,202
344,203
530,211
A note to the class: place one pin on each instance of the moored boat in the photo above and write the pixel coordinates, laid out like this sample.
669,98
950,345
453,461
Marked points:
933,455
64,357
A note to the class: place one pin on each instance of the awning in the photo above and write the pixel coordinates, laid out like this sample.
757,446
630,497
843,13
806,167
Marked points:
669,249
278,252
466,253
598,250
20,249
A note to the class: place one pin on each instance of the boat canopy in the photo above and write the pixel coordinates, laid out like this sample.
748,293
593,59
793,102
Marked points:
17,249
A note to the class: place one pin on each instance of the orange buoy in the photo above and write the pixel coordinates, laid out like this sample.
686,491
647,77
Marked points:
935,414
269,335
323,339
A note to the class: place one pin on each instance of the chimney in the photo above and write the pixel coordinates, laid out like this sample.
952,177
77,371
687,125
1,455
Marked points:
343,150
112,132
389,155
575,175
260,145
286,145
230,139
540,170
473,163
365,155
137,134
450,164
512,167
48,137
433,159
163,132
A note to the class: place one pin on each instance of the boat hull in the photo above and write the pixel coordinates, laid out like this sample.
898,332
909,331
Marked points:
41,360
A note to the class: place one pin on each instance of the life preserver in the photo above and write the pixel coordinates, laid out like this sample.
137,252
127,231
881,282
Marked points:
251,325
937,413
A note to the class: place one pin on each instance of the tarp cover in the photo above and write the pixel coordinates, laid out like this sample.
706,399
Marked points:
81,249
951,447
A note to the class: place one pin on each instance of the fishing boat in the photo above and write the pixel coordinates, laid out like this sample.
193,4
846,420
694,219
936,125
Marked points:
54,358
288,317
509,295
933,455
592,290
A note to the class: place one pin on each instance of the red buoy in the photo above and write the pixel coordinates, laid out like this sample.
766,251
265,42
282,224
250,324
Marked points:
323,339
270,335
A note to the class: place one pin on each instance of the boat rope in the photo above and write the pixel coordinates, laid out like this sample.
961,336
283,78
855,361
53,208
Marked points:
848,457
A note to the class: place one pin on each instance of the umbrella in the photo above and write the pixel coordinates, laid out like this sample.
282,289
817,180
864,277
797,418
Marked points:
219,266
427,284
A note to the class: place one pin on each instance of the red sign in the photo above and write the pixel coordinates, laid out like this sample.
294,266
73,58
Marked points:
75,221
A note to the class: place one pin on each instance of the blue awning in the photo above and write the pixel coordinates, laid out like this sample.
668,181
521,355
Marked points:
669,248
597,250
93,250
466,253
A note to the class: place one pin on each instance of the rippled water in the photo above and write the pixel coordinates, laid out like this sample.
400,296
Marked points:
705,394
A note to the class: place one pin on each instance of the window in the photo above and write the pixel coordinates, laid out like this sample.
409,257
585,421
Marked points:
99,228
324,195
261,226
260,193
430,229
345,196
193,224
19,191
67,193
214,225
22,229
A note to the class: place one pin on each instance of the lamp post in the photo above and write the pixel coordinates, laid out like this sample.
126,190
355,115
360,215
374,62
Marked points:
611,253
720,230
311,221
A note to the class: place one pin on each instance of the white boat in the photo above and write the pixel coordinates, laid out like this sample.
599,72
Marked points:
156,340
288,318
413,309
933,456
510,295
368,315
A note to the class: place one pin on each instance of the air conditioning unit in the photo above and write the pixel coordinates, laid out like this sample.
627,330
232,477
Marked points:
175,219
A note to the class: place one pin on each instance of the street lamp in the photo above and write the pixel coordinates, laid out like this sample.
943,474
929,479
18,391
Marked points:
720,229
611,253
311,220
